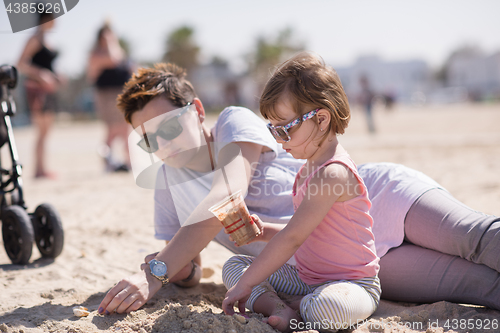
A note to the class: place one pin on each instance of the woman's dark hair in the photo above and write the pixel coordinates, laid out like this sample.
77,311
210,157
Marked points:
44,16
102,30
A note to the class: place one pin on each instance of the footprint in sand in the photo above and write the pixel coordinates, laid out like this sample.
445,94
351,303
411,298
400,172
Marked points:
207,272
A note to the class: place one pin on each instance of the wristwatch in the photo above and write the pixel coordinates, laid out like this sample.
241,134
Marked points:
159,270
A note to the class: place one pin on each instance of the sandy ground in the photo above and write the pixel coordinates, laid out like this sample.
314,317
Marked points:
108,225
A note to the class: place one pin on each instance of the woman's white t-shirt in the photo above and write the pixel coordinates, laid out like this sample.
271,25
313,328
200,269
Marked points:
392,189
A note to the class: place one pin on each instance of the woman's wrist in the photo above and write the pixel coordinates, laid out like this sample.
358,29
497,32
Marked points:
192,279
193,271
33,73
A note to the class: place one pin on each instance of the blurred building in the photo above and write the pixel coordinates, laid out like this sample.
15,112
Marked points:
210,83
477,73
403,81
218,86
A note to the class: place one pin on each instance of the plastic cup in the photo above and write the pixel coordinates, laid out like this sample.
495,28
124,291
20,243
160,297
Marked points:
234,216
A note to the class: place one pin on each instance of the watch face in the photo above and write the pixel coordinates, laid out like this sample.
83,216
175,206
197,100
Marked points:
158,268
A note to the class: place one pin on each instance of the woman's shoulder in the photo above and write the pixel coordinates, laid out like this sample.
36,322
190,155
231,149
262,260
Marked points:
239,124
32,46
391,174
385,170
238,113
34,42
99,53
237,119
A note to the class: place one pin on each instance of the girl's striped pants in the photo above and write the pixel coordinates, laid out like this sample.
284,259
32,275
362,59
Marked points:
334,304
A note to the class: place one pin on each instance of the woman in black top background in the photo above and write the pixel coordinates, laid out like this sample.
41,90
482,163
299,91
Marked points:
108,70
41,85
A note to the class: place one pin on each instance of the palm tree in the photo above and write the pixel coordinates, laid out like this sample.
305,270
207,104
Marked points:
269,53
182,49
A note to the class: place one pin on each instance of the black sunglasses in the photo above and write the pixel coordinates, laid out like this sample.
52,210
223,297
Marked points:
167,130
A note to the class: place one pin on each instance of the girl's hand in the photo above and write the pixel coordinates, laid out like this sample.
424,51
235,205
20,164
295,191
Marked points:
259,224
238,294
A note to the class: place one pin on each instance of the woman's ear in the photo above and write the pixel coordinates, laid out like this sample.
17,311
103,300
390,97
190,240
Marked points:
200,109
324,118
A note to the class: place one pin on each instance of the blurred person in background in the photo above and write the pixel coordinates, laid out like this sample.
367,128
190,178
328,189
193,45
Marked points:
389,100
366,97
108,69
41,85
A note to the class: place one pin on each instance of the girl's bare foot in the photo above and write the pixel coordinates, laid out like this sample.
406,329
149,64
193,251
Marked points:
278,312
282,318
292,301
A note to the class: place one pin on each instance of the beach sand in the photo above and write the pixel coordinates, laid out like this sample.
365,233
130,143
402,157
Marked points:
108,225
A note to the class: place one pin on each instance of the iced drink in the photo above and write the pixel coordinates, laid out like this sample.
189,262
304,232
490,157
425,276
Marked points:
234,216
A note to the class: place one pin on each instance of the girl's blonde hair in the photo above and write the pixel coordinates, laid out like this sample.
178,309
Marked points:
308,84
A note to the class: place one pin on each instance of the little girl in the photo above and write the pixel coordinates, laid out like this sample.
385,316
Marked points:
334,282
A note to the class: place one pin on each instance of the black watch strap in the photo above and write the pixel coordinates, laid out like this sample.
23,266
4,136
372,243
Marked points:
191,275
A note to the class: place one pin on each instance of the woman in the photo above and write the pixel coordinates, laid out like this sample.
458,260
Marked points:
41,85
432,246
172,135
108,71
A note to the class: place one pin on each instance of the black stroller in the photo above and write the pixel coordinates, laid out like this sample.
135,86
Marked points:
20,229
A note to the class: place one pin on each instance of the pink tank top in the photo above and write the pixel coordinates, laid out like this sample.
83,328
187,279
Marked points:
342,246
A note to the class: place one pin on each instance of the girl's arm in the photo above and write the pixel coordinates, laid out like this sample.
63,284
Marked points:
133,292
267,230
314,207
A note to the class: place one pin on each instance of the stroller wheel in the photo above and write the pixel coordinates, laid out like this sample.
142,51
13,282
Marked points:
17,234
49,234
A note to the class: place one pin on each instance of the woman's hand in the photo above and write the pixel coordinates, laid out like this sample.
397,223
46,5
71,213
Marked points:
150,257
130,293
47,80
238,294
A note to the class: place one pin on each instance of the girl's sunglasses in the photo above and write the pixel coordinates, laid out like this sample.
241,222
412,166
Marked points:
281,132
167,130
